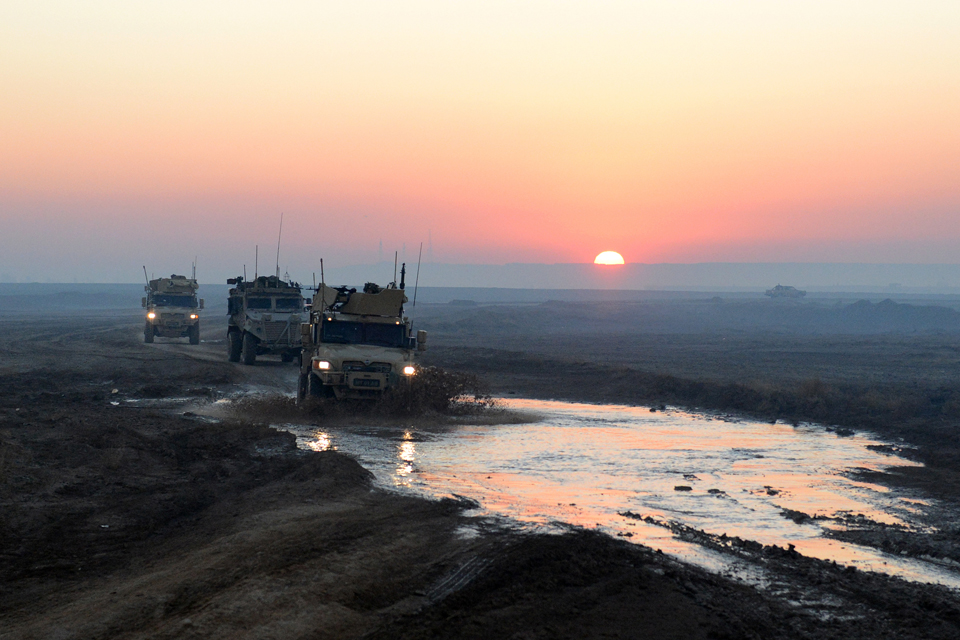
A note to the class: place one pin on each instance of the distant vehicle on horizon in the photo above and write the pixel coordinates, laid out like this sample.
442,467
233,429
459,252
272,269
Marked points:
781,291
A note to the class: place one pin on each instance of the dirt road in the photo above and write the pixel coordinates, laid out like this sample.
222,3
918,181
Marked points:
132,520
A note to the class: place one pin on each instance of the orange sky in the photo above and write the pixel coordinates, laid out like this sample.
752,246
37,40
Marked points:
510,131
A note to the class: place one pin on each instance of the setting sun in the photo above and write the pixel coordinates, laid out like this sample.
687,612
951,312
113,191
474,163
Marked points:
609,257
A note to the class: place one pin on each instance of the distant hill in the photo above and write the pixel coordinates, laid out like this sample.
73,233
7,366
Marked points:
691,316
707,276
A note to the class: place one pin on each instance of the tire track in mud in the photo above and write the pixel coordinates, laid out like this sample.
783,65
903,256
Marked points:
458,578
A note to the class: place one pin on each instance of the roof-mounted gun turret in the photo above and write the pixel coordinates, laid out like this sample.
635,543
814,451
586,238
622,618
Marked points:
372,301
272,283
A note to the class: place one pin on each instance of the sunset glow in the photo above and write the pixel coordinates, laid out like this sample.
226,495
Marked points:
493,132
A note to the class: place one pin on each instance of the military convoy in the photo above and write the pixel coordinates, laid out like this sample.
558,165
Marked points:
172,309
357,345
350,344
265,316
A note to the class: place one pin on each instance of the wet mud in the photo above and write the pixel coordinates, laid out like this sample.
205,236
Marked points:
123,517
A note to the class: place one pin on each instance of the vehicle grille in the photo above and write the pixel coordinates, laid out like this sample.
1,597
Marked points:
273,331
373,367
173,317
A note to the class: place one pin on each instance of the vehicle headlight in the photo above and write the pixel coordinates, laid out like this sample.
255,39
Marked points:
321,364
151,315
194,316
409,370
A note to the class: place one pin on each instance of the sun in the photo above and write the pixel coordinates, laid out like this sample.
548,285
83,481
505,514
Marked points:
608,257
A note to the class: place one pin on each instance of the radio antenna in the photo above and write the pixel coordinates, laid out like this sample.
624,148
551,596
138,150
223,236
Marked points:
145,275
395,253
195,267
279,235
323,289
417,281
256,260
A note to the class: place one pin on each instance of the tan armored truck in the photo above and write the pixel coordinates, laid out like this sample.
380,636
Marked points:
357,344
265,316
173,310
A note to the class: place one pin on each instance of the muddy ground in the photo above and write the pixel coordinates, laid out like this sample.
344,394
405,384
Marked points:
133,520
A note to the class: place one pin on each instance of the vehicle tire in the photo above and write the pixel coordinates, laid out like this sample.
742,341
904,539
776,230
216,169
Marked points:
248,352
194,334
302,383
148,333
316,388
234,345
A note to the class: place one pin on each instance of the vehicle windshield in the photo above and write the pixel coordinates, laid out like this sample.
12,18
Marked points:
384,335
381,335
342,332
166,300
289,304
258,303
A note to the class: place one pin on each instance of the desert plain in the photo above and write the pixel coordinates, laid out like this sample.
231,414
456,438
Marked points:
127,513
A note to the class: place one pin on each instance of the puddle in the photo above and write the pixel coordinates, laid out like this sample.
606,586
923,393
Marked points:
584,465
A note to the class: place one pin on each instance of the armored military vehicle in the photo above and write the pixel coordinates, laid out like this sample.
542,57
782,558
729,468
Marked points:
172,309
265,316
781,291
357,344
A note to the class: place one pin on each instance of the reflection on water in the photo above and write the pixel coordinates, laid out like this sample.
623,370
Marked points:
586,464
318,441
406,454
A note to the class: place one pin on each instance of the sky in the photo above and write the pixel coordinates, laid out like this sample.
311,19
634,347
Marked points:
493,132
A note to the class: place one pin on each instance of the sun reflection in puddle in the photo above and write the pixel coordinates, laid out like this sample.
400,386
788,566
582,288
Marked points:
406,454
584,465
319,442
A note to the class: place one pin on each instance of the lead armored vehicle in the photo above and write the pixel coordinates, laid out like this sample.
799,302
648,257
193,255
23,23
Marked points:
172,309
357,344
265,316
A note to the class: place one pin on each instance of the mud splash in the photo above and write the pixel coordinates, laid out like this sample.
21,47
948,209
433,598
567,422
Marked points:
654,476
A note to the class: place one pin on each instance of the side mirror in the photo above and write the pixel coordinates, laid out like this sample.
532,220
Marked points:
201,303
421,340
143,302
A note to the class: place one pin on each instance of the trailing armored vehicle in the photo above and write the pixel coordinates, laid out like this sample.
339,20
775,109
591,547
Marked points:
357,344
265,316
172,309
